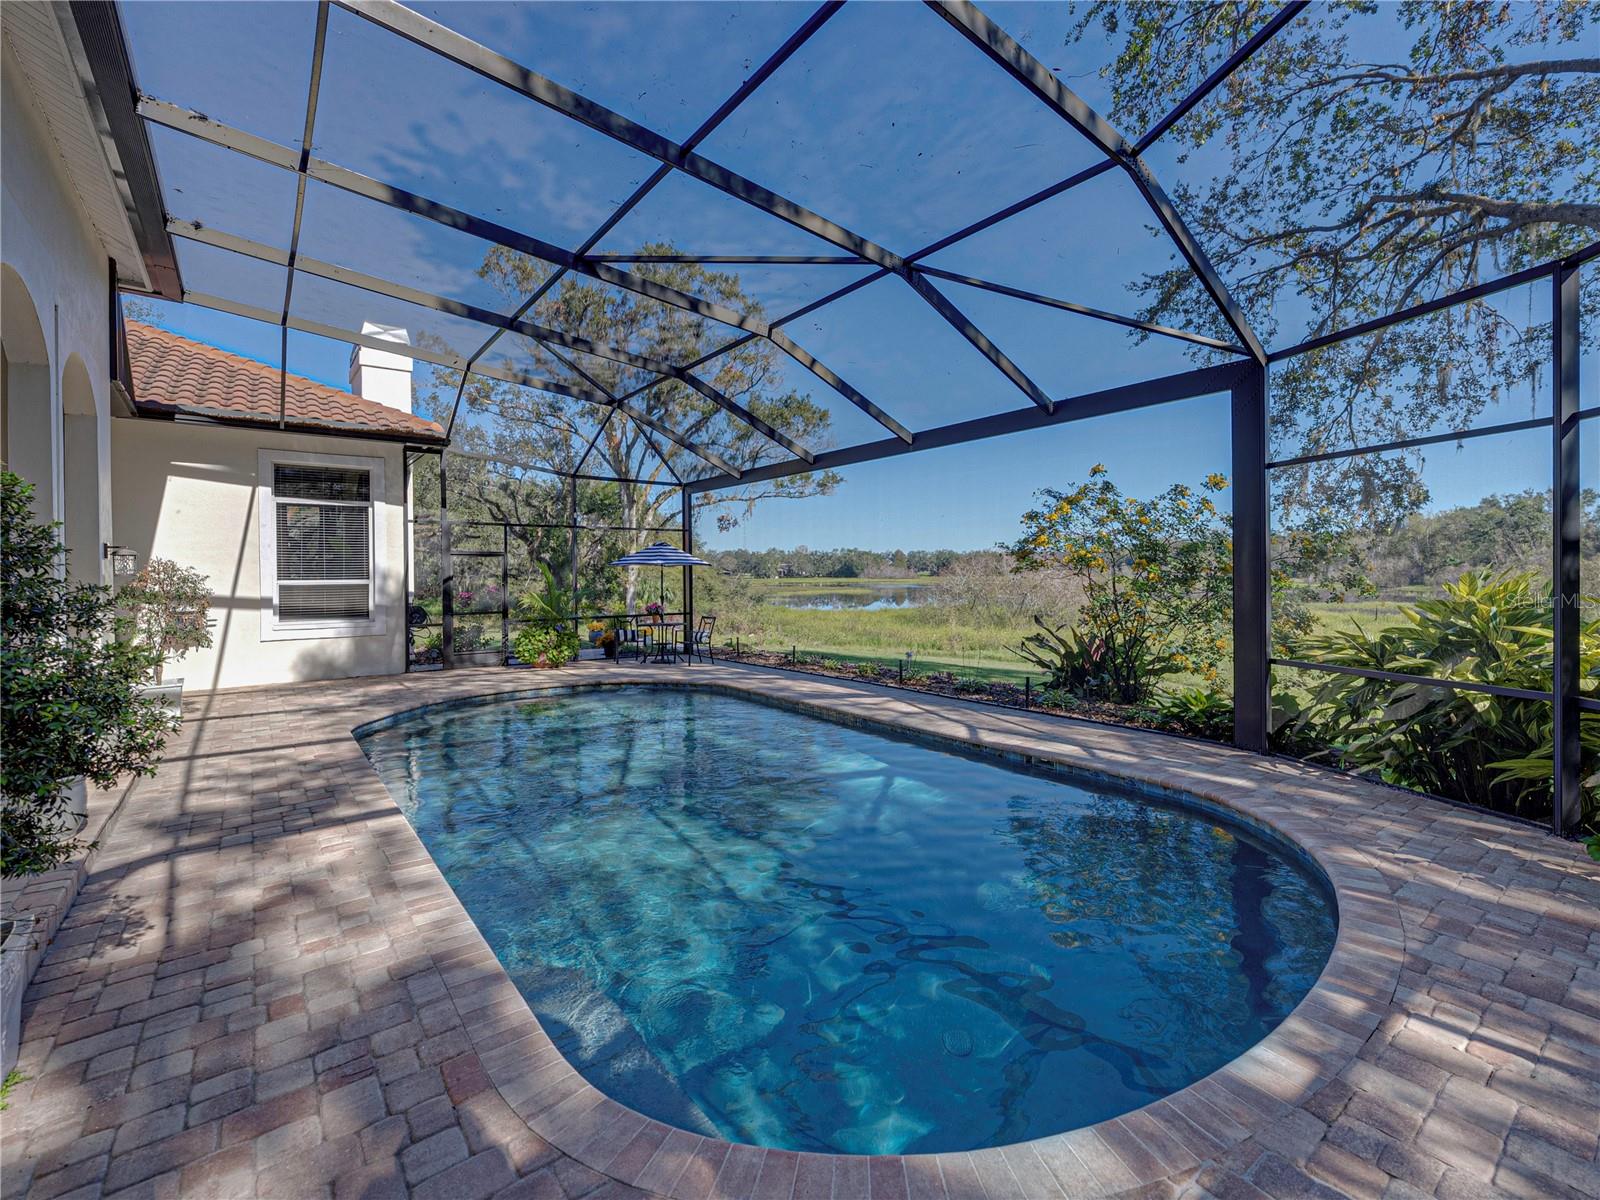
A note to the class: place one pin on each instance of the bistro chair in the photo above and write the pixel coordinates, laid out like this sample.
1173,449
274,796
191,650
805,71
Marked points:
634,642
701,646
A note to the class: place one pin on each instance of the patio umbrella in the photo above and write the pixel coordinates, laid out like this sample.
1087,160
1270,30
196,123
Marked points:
660,554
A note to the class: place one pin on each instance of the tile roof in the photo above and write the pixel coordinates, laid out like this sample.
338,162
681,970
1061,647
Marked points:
174,375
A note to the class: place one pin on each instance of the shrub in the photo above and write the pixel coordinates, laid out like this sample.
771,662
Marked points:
70,678
1156,580
170,606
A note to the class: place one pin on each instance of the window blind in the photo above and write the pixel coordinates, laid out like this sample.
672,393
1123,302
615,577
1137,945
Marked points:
324,529
306,482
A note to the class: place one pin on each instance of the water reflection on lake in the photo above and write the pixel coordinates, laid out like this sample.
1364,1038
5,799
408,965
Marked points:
869,596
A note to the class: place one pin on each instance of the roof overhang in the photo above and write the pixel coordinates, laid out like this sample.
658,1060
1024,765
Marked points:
80,77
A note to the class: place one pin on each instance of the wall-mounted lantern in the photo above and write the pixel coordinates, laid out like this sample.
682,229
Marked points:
123,560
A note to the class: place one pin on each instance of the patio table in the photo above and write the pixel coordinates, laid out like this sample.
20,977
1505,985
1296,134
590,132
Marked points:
666,637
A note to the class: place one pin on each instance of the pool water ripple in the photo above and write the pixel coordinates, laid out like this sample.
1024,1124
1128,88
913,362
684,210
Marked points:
778,929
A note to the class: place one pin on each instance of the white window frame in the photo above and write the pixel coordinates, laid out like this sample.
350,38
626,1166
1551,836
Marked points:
275,629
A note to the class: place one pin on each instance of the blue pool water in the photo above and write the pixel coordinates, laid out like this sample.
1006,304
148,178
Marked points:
757,923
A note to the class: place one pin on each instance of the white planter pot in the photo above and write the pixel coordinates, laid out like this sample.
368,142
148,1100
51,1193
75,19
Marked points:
15,952
75,812
169,692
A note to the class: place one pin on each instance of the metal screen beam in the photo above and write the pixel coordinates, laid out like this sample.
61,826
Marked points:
1477,291
975,228
1203,382
980,341
752,260
465,52
1429,439
456,363
823,372
973,24
1011,210
1566,525
319,44
98,46
688,572
1402,678
486,316
1252,617
726,109
200,126
1098,314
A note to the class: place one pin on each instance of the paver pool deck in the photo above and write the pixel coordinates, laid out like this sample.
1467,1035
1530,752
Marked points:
266,988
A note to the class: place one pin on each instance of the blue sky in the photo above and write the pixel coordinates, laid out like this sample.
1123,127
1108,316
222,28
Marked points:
886,121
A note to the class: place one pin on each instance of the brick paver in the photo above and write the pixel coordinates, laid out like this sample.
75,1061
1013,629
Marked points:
265,988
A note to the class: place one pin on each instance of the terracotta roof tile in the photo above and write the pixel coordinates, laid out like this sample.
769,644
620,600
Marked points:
173,375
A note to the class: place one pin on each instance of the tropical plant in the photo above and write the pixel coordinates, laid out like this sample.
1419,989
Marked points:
549,640
170,606
70,679
1156,580
1070,662
1202,712
1492,750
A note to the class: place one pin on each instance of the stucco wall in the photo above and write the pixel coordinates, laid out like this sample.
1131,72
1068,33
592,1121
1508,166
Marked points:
48,241
188,493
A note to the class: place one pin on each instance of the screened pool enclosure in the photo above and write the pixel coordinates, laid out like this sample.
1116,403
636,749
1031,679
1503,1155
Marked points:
658,264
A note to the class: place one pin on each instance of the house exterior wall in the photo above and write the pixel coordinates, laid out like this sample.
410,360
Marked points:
189,493
50,248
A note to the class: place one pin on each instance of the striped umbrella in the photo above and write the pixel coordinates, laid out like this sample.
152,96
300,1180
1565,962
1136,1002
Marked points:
660,554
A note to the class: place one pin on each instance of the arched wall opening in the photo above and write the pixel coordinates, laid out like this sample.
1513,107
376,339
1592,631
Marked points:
29,432
80,473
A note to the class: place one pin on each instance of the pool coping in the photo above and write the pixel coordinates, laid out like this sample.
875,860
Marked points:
1163,1141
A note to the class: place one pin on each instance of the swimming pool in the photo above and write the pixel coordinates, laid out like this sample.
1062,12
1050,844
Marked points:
778,929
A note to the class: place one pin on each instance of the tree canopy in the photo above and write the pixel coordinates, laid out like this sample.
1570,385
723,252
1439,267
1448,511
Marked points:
1366,158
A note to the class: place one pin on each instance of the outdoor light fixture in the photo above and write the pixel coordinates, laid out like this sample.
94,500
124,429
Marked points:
123,560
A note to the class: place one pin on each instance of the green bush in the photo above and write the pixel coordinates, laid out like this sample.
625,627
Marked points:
545,645
70,679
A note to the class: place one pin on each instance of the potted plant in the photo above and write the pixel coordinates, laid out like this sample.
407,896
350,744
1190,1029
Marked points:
653,610
596,632
170,606
609,641
70,698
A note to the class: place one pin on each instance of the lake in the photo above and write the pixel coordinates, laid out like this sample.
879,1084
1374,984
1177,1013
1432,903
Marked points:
867,596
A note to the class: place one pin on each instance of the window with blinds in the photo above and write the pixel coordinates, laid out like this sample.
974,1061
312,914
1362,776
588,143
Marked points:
323,517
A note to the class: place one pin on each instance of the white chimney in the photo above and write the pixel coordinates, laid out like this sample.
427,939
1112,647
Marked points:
381,375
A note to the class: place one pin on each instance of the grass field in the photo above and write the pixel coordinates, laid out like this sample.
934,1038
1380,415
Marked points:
939,638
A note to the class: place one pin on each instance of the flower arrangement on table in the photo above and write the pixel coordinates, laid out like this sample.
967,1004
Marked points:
653,610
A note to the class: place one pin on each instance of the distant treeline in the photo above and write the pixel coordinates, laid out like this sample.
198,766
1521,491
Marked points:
1499,533
805,563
